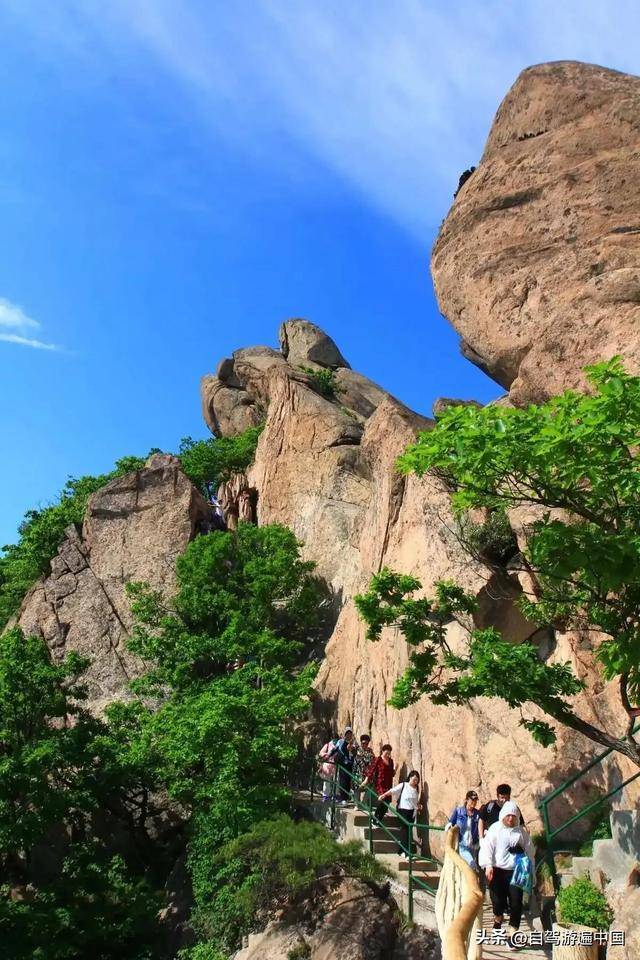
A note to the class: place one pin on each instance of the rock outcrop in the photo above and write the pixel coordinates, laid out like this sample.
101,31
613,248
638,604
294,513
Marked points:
328,473
353,923
235,398
537,265
134,529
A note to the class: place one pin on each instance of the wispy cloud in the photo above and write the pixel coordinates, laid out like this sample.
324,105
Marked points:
15,323
395,98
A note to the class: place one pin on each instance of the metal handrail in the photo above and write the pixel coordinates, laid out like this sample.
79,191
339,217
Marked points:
367,807
549,833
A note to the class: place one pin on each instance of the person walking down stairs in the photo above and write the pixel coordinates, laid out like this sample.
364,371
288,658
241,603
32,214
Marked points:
467,819
328,766
408,805
363,759
380,776
345,753
503,844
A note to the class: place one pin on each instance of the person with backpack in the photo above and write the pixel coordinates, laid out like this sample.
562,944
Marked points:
408,806
327,768
466,818
490,812
505,843
380,776
345,753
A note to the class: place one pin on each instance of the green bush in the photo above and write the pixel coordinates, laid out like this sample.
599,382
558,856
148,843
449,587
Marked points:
493,540
599,829
301,952
42,532
202,951
324,381
581,902
208,463
276,863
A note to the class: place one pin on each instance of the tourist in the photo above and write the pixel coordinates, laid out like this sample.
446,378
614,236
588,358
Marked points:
362,760
327,768
466,818
380,776
345,752
408,806
490,812
502,843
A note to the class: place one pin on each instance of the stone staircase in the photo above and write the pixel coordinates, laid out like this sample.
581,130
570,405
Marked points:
427,869
612,859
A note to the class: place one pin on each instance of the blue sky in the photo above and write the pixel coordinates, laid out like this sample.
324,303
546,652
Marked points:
179,176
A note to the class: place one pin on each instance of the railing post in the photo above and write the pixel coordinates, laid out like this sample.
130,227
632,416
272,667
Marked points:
410,891
333,796
550,858
370,814
313,779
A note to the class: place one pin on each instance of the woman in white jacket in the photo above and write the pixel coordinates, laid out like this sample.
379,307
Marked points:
501,844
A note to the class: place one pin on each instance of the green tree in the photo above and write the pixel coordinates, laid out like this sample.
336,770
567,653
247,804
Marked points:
573,460
208,463
56,775
41,533
229,679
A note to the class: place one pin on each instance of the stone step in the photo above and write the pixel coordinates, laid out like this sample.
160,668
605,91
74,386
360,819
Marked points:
362,820
379,834
385,846
420,864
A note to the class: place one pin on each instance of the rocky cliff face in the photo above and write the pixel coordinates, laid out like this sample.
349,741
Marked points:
537,267
537,264
325,467
134,529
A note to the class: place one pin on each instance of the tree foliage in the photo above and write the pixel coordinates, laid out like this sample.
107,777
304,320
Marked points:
227,670
57,766
573,462
208,463
276,863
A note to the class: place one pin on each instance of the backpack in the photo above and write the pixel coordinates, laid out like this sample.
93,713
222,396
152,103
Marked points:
328,750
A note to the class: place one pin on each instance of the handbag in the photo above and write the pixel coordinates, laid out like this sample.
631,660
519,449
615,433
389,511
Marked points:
523,873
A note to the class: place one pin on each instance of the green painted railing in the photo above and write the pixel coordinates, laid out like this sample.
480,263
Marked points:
550,832
368,805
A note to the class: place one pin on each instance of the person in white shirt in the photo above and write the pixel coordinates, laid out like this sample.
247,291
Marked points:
501,844
408,794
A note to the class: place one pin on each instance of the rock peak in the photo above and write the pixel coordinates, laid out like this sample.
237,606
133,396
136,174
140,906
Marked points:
303,342
238,396
537,262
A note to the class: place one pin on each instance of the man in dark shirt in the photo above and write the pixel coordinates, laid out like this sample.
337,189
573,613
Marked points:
489,812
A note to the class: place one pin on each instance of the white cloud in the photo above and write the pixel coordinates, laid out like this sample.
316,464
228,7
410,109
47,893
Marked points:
18,323
396,98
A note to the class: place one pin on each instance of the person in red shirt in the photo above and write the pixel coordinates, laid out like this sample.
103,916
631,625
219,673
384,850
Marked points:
380,776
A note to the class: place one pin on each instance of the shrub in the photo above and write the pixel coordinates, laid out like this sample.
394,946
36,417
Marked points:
276,863
300,952
581,902
324,381
208,463
493,540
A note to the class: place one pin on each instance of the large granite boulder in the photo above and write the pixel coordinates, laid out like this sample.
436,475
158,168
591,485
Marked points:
537,265
134,529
